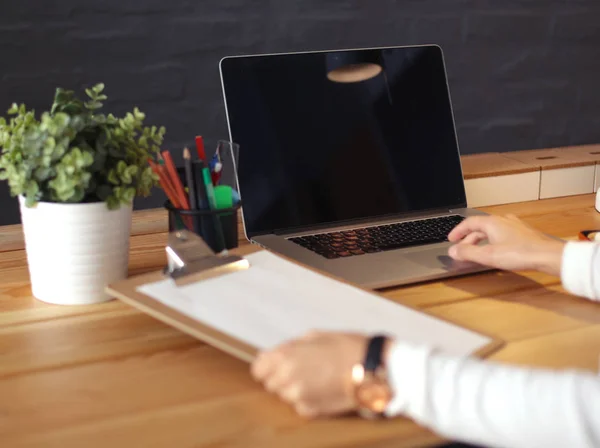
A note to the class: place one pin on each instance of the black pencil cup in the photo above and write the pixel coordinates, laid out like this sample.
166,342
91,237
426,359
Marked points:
218,228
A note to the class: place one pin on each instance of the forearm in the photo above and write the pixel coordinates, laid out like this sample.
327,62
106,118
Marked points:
494,405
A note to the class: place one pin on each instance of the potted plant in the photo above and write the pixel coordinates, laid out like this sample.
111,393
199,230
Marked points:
76,172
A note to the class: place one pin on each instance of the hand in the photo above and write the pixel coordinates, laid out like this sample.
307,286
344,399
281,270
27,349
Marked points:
513,245
313,373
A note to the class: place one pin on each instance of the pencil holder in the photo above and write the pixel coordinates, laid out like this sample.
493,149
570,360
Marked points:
218,228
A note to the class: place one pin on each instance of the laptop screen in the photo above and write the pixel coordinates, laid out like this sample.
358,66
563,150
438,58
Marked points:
328,137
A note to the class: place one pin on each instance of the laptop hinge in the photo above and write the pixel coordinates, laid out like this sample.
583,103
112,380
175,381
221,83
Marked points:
358,222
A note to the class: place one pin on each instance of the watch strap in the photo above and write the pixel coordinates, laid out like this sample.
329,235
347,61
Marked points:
374,354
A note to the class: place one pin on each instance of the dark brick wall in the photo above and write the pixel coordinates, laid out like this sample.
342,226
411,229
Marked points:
523,73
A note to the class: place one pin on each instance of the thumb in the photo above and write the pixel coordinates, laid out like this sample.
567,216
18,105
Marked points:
469,252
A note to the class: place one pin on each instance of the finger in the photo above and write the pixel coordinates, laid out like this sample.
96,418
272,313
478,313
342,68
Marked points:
478,254
280,378
469,225
474,238
305,410
300,391
264,364
291,393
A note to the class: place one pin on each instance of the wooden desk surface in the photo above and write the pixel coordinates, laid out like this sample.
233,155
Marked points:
108,375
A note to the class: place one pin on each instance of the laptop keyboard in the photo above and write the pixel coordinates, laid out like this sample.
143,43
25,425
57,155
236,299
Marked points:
380,238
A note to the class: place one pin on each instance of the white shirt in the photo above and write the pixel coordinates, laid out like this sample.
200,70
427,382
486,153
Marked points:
497,405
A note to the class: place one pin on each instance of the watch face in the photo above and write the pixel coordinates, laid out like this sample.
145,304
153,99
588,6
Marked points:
374,393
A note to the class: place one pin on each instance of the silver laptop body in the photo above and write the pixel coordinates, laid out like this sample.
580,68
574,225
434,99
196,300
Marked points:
349,160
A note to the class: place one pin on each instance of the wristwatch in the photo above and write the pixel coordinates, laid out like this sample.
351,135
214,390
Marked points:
371,388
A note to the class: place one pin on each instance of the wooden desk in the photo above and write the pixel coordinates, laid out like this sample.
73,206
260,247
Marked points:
108,375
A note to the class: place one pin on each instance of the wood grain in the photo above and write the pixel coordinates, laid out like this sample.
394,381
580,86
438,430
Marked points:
589,153
550,159
457,289
507,319
162,400
109,375
561,217
144,222
576,349
476,166
11,238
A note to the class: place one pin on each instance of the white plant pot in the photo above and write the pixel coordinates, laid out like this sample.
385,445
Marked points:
75,250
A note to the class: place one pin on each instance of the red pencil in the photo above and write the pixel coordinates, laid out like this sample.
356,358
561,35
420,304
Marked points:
175,180
200,148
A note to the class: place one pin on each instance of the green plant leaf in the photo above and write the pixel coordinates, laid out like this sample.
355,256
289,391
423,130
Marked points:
128,195
61,97
93,105
49,145
87,159
113,177
74,153
30,201
139,115
121,167
112,203
32,189
98,87
133,170
126,177
42,173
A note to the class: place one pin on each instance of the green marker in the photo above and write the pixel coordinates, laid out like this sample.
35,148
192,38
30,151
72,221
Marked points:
223,196
210,193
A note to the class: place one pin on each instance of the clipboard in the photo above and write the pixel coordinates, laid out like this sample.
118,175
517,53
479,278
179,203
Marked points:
190,261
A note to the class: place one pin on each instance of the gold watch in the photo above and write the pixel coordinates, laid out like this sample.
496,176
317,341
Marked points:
372,390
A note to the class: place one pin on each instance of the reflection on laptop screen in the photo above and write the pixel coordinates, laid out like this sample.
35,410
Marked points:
334,136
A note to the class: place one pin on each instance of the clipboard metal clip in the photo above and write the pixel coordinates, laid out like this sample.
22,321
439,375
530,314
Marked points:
190,259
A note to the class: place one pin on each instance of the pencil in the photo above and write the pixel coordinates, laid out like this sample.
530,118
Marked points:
166,186
200,148
163,170
189,175
176,181
167,180
170,192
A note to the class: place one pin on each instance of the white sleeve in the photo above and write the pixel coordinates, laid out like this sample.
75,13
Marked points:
479,402
580,271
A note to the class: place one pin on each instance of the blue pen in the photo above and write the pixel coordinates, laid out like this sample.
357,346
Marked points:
216,158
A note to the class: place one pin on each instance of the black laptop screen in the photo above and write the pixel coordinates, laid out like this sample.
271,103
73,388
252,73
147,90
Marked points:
329,137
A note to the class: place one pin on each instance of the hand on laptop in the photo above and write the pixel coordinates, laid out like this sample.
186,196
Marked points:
513,245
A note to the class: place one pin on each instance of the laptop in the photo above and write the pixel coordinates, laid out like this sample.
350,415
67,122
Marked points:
349,161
